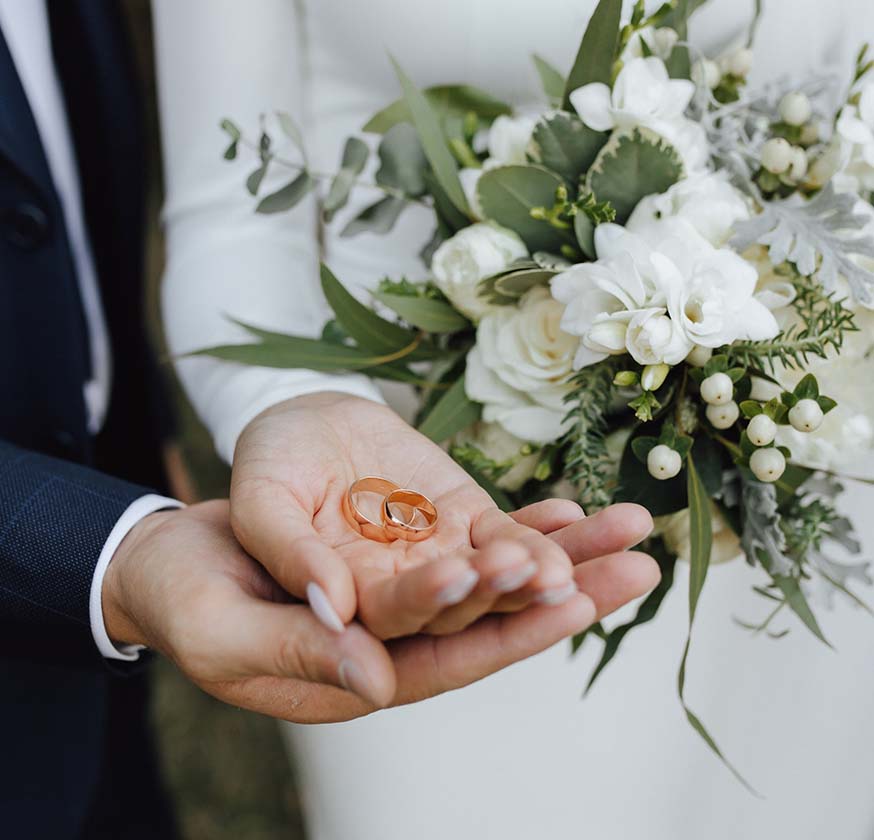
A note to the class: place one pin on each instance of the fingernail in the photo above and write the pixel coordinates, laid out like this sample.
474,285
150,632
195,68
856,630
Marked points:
458,590
322,608
513,579
353,678
557,595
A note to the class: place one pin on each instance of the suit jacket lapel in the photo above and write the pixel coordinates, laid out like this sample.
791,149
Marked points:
20,142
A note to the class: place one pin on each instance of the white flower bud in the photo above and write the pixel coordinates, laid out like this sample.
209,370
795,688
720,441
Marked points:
706,73
763,390
663,462
762,430
795,109
699,356
607,336
767,464
776,155
806,416
653,376
798,167
723,416
739,62
717,389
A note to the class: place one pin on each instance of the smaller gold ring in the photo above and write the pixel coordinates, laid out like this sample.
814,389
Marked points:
397,528
356,518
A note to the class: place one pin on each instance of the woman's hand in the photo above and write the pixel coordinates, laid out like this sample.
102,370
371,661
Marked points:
292,467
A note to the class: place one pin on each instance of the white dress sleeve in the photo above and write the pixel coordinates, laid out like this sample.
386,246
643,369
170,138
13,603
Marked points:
216,59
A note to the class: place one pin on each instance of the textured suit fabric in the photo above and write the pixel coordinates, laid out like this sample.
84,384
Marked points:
76,759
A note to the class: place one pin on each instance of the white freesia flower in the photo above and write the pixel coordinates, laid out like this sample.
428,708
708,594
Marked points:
660,42
509,137
497,444
474,253
707,201
645,96
519,367
658,292
855,127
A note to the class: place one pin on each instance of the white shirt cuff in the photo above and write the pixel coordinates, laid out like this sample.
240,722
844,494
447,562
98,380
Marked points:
136,511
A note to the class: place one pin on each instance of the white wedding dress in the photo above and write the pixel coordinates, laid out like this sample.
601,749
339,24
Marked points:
519,755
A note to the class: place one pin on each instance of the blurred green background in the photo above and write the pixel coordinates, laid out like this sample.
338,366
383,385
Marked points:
227,769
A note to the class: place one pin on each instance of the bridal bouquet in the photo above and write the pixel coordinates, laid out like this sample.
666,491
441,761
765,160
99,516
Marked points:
652,289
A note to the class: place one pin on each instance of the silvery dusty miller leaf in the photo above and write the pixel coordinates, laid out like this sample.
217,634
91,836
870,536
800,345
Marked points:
762,532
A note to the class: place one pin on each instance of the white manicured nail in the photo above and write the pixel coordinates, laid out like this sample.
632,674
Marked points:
558,595
513,579
322,608
353,678
458,590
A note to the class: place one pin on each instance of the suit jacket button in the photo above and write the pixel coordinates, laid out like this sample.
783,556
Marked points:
26,226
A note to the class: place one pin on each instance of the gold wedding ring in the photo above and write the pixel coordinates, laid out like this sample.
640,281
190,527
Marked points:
408,515
403,514
373,529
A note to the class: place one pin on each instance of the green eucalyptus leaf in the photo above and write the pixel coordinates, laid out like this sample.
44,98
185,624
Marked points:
253,182
376,218
425,120
632,166
453,412
515,284
231,151
597,52
446,100
507,194
355,154
231,129
403,161
288,196
370,331
290,128
428,314
551,80
563,144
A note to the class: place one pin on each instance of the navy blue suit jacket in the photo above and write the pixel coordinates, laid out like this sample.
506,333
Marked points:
62,490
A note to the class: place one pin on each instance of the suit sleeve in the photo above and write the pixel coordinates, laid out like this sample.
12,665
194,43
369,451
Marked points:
215,59
55,519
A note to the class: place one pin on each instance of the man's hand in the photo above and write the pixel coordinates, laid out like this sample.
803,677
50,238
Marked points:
181,584
292,466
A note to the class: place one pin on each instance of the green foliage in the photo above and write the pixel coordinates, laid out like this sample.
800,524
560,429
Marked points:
402,161
824,323
508,194
452,412
355,154
551,80
288,196
598,49
507,287
379,217
426,313
631,166
562,143
447,101
234,134
587,463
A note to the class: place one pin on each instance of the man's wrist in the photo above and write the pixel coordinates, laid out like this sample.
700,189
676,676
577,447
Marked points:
114,627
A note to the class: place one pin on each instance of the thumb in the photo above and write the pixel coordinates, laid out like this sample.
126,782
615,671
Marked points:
278,532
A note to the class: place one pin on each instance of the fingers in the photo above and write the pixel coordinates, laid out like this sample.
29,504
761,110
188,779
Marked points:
276,530
616,579
428,665
503,567
401,604
258,638
554,567
613,529
549,515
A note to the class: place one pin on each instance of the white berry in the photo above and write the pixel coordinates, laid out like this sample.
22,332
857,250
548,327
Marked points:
798,167
795,109
717,389
806,416
699,356
776,155
767,464
663,462
762,430
706,73
739,62
723,416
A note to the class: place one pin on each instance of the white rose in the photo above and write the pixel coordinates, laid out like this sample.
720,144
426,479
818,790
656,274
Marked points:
509,138
519,367
675,529
706,201
497,444
474,253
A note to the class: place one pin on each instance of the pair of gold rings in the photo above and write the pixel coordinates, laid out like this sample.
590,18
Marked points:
403,514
